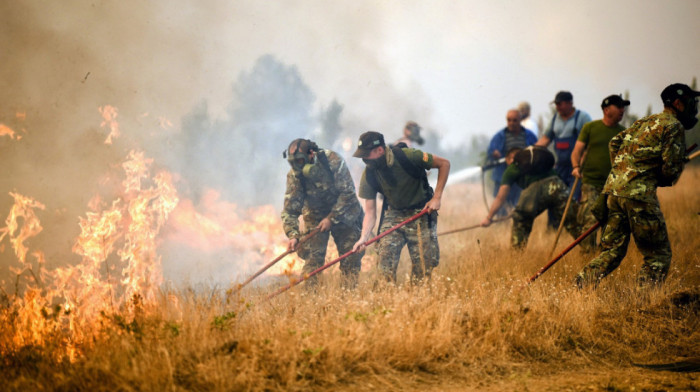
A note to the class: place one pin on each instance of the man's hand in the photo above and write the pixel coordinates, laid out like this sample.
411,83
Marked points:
359,245
432,205
325,224
576,172
292,244
486,222
496,154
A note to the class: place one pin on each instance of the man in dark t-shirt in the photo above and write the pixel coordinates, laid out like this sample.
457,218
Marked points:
399,174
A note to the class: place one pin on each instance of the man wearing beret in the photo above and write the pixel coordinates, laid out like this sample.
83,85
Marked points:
593,171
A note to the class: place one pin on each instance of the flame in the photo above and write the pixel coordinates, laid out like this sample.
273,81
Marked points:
120,268
7,131
109,114
252,237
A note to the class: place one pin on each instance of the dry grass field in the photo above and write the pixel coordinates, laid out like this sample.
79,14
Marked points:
474,326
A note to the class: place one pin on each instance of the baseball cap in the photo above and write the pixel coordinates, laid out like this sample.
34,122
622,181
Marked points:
563,96
677,90
368,141
616,100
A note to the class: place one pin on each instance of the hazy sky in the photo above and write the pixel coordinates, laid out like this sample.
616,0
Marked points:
453,66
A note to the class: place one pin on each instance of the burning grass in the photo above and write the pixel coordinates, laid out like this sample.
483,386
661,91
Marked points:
473,326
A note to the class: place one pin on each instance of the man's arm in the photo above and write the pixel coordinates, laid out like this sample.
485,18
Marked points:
443,166
293,204
503,192
367,224
672,156
614,146
576,160
544,141
495,146
346,193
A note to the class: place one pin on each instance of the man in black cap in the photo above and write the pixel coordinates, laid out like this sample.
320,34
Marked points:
649,154
399,174
564,130
593,171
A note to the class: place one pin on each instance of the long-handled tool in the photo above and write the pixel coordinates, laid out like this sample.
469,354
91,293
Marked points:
278,258
330,263
472,226
563,217
564,252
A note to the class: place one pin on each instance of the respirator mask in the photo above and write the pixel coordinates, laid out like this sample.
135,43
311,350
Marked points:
688,117
297,155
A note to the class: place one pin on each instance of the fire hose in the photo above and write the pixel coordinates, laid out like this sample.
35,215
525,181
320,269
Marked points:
278,258
484,168
331,263
586,234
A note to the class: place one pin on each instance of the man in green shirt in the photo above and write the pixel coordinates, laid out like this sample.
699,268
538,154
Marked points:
593,171
532,169
399,174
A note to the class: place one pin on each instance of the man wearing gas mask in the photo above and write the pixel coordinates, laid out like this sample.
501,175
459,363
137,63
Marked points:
320,188
399,174
649,154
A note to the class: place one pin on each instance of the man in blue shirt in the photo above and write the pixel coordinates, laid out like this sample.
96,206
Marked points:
512,136
564,130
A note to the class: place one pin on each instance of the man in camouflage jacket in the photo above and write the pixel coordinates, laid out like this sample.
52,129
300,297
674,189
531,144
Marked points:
320,188
649,154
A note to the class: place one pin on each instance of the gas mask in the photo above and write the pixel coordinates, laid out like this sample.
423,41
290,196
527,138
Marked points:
688,117
298,161
312,171
297,154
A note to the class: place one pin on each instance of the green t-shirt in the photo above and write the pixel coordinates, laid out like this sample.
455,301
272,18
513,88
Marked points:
513,175
406,190
597,136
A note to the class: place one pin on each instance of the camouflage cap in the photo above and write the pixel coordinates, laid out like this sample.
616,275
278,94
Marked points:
677,90
368,142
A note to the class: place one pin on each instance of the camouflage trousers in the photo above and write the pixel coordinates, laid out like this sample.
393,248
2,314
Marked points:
423,248
646,223
547,194
345,236
585,218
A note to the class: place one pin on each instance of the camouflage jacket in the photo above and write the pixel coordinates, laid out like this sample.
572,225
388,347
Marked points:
323,196
649,154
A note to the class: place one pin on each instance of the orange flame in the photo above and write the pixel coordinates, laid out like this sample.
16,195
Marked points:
109,114
78,295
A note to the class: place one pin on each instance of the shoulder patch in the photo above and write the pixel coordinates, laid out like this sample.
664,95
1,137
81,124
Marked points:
425,157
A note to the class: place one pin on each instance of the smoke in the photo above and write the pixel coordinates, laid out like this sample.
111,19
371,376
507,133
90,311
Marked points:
218,119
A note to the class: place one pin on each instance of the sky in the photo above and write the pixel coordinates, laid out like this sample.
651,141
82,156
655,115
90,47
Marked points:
455,67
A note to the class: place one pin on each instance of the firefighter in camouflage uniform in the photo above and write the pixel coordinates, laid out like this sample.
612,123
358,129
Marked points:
532,168
398,173
320,188
649,154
